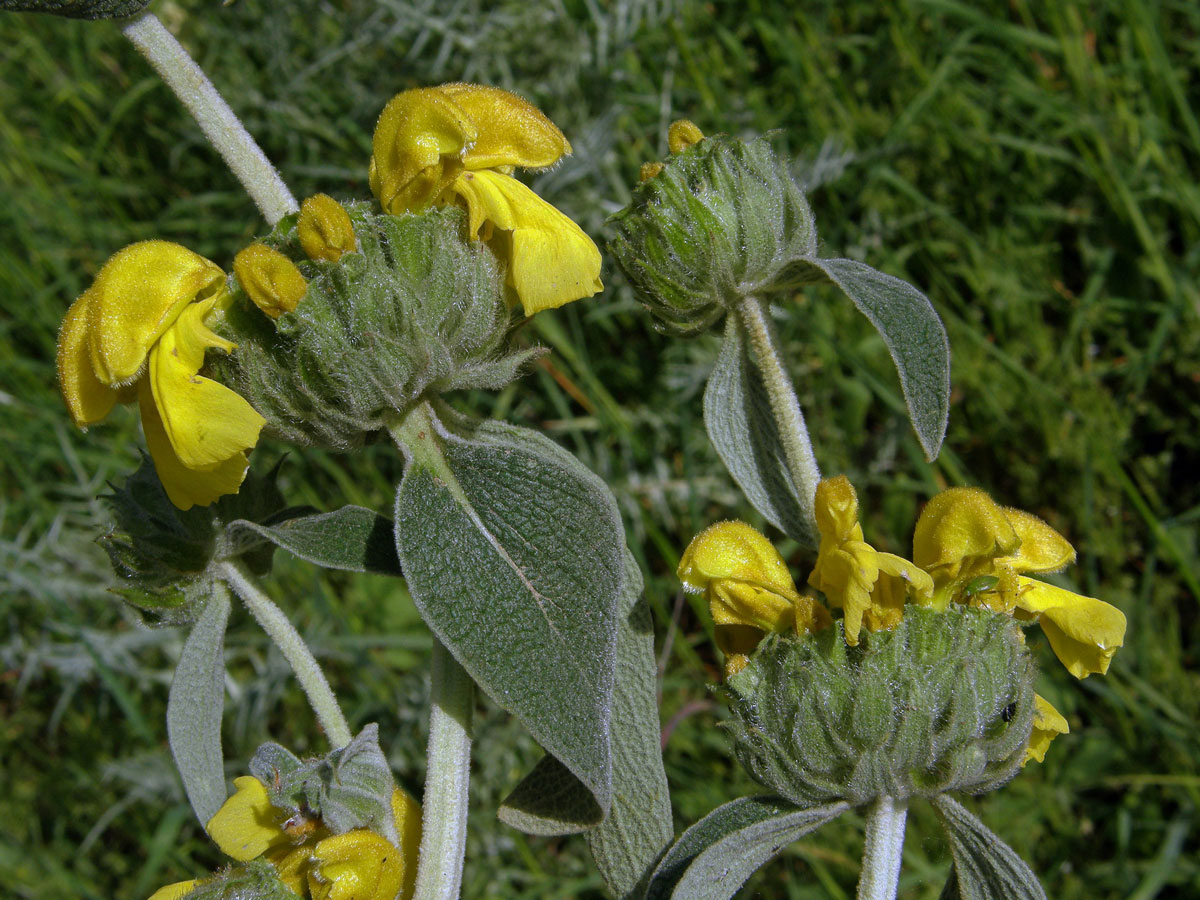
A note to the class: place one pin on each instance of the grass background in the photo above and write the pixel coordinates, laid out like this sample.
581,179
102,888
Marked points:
1032,166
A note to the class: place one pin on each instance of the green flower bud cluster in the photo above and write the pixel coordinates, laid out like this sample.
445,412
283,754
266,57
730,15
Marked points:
721,220
415,311
943,702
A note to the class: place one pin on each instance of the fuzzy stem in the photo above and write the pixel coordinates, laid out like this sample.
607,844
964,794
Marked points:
797,448
222,128
295,651
444,817
882,850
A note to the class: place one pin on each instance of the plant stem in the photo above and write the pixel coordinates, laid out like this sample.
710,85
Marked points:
882,850
222,128
797,448
444,817
284,635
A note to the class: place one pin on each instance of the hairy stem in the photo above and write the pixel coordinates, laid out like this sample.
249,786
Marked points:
284,635
797,448
882,850
444,816
222,128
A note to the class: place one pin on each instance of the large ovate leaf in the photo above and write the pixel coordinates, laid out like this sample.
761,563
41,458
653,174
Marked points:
512,551
745,434
913,333
714,857
78,9
628,843
352,538
985,868
194,708
550,800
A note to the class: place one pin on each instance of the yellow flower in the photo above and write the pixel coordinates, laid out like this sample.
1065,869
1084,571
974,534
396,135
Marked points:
324,229
459,143
978,553
140,331
356,865
270,279
749,589
1048,723
870,586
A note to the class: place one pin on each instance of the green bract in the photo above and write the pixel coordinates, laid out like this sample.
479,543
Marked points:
723,220
942,703
416,311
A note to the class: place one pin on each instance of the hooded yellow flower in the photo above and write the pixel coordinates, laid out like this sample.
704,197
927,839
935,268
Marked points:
1048,723
357,865
870,586
978,552
459,143
749,589
139,331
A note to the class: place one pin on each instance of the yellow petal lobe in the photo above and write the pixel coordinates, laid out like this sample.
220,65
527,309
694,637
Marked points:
1042,548
357,865
136,297
1048,723
511,130
88,398
1083,632
324,229
270,279
206,422
551,261
959,530
246,825
417,149
406,812
175,891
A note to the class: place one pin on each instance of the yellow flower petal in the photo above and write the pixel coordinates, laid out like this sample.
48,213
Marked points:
1048,723
550,260
512,131
1084,632
206,422
357,865
836,508
88,398
175,891
269,279
1042,548
847,575
682,134
407,814
137,295
292,864
960,529
417,148
324,229
247,825
735,551
184,486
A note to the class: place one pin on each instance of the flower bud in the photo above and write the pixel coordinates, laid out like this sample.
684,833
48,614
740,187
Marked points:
324,229
270,279
418,310
722,219
943,702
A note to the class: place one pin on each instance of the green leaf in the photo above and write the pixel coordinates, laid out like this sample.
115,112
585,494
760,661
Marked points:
737,414
512,551
78,9
194,709
352,538
714,857
551,801
628,843
985,867
914,336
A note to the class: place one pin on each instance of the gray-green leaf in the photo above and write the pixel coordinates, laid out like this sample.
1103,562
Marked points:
714,857
985,868
745,434
628,843
352,538
512,551
194,708
912,331
78,9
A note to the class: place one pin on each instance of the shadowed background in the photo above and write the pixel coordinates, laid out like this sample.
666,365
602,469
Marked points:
1032,167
